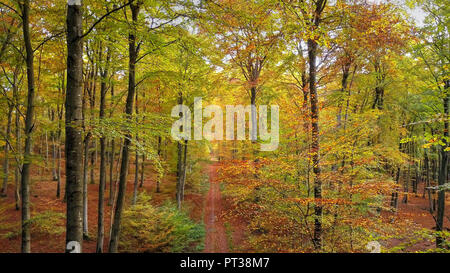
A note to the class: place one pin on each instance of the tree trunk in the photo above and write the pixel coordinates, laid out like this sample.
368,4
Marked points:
179,161
6,160
179,173
379,89
345,75
54,156
442,179
111,162
183,181
253,132
142,170
114,241
428,184
158,190
58,145
102,183
136,161
136,178
74,145
315,144
58,168
92,159
394,198
29,124
85,186
407,179
18,168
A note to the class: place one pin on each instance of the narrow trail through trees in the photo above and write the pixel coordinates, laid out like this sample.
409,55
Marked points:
216,238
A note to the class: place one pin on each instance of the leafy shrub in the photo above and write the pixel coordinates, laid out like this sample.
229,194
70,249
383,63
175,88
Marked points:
48,222
146,228
44,223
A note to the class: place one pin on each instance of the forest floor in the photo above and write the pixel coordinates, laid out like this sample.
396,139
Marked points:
223,234
216,238
43,199
416,211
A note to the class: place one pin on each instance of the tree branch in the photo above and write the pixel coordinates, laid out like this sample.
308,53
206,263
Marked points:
103,17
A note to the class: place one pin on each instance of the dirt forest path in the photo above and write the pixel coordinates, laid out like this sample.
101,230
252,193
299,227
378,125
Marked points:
216,238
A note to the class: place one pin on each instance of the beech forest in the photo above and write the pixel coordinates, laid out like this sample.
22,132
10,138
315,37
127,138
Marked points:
224,126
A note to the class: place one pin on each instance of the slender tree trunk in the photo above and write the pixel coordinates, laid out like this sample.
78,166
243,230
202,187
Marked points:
116,182
46,150
111,174
394,198
18,168
85,186
92,159
29,124
183,181
406,185
136,178
179,161
74,144
58,168
345,75
315,146
6,160
142,170
428,184
179,173
416,178
315,143
442,178
54,156
114,241
136,161
111,162
158,190
379,89
102,183
60,112
253,133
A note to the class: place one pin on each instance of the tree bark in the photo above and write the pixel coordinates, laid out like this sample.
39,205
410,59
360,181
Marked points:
29,124
74,145
54,155
17,175
158,190
315,144
394,198
58,162
345,75
442,178
85,185
102,183
428,184
183,180
379,89
253,132
136,161
142,170
179,161
114,241
111,162
6,149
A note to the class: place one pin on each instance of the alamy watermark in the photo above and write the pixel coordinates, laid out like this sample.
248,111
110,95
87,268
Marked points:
235,114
